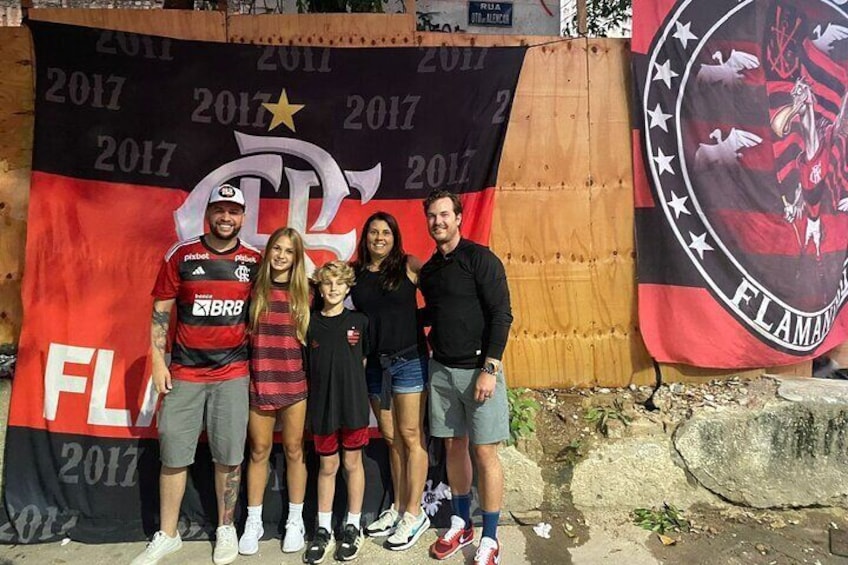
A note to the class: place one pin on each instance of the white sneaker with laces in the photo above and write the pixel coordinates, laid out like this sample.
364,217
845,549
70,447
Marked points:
226,545
293,540
408,530
384,525
253,532
160,546
488,552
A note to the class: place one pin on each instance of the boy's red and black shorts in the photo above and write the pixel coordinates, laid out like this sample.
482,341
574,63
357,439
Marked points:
346,439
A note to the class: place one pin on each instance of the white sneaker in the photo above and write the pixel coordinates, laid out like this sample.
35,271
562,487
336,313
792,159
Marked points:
253,532
408,530
293,540
488,552
160,546
226,545
384,525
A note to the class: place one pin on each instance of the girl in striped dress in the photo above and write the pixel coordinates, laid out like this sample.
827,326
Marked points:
279,318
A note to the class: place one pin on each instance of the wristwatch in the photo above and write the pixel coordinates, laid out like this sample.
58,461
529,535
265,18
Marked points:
490,368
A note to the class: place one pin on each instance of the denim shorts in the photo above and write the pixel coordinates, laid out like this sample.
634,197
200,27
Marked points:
409,374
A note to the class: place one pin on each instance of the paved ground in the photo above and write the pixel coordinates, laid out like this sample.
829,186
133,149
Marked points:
726,535
199,552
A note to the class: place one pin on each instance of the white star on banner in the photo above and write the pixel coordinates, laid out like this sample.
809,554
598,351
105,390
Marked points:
658,118
663,162
664,73
700,244
683,33
678,204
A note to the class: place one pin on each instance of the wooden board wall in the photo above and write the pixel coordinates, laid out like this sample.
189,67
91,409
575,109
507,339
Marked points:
16,123
563,221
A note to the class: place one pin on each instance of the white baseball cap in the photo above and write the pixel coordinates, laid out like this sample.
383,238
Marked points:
227,193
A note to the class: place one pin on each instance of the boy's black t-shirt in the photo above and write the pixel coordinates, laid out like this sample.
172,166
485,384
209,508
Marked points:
338,394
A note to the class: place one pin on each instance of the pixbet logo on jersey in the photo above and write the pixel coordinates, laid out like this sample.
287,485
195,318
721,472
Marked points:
205,306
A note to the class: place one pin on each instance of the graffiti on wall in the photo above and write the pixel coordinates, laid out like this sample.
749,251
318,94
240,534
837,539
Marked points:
434,21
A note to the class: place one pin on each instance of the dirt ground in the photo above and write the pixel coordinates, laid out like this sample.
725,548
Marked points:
720,536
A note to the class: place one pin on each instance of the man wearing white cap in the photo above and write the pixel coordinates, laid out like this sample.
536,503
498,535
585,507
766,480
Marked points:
206,384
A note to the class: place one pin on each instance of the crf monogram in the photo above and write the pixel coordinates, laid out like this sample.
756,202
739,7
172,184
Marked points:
263,160
781,47
816,173
243,273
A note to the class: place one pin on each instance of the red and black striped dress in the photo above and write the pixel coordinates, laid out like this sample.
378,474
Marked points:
277,378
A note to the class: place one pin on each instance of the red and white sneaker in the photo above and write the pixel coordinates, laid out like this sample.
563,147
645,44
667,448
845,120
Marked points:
488,552
458,536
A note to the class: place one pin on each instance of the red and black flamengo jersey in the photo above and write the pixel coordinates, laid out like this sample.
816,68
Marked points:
277,377
212,292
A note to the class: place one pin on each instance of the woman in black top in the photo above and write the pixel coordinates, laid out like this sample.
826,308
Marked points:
386,288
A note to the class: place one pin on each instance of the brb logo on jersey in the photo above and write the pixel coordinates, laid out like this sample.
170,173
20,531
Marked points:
745,133
205,306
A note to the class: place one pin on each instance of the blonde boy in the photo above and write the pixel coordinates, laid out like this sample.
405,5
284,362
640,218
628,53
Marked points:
338,408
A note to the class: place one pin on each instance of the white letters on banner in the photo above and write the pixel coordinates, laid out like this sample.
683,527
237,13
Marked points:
57,383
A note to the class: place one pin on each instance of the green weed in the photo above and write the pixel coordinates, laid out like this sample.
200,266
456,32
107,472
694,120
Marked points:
522,414
601,416
662,520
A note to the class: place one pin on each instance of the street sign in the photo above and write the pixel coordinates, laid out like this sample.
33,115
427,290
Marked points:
494,14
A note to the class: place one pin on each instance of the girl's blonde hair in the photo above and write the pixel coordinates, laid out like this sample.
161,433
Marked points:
298,285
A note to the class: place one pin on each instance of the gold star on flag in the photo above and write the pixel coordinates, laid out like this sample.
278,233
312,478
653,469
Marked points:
282,111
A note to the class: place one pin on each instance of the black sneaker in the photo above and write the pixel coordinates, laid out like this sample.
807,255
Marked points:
321,547
351,543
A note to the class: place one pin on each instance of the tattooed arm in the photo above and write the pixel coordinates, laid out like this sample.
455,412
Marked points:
158,339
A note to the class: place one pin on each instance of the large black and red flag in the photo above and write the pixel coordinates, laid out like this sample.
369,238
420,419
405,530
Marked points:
131,134
741,179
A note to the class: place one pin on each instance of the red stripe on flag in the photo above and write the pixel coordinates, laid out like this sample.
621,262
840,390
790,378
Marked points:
762,233
648,16
824,62
773,87
93,251
676,339
642,196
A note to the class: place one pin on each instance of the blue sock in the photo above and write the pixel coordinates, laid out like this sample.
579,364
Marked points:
462,507
490,524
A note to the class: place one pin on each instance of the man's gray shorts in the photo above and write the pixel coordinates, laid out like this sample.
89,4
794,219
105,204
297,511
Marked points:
455,413
221,405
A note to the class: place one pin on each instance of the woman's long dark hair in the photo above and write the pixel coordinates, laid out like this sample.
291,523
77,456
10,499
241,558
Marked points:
393,267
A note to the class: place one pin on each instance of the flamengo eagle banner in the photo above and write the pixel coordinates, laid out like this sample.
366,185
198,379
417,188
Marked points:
741,161
131,134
